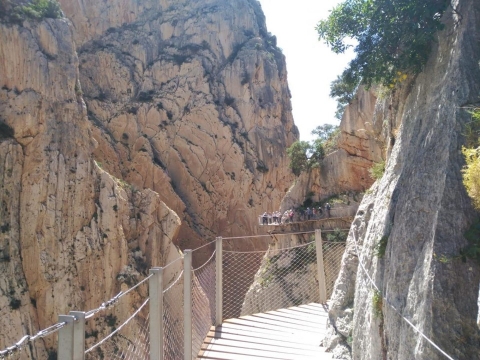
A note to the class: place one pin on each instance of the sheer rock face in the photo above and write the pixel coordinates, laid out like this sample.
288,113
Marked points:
186,102
189,99
68,228
361,143
421,209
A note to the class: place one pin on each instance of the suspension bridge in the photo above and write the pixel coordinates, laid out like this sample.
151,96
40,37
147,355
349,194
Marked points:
236,305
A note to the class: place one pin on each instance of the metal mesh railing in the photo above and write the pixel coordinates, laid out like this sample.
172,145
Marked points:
127,339
173,318
203,302
332,261
286,277
239,269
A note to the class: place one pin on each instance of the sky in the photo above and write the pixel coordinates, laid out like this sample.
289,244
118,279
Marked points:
311,65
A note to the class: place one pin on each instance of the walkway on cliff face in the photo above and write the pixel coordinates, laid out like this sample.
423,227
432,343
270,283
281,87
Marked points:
236,305
285,334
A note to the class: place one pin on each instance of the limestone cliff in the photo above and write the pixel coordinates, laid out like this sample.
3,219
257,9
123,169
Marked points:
361,143
189,99
419,210
70,232
113,120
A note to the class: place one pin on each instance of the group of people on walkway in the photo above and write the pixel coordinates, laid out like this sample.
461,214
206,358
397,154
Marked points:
290,216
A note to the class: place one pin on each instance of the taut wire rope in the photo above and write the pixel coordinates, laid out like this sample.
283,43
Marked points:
391,305
119,328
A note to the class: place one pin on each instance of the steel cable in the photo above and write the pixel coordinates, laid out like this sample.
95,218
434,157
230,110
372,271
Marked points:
390,304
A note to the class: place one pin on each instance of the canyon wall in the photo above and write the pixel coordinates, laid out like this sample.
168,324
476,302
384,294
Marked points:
70,232
409,230
361,143
189,99
113,120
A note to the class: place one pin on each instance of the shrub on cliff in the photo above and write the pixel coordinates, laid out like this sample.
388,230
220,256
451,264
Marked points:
17,11
305,155
40,9
297,153
471,174
471,171
391,36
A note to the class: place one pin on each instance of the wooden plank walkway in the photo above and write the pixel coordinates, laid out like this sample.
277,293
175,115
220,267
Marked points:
286,334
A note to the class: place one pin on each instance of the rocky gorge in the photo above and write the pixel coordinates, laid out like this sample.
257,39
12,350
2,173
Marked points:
129,129
402,261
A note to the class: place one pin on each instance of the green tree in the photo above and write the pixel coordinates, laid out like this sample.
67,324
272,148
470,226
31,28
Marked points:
343,90
328,134
317,152
324,131
39,9
393,38
305,155
297,153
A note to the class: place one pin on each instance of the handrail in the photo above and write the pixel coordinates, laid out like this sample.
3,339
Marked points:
205,282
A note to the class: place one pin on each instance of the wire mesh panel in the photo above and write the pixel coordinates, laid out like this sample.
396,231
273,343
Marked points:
173,318
239,269
203,303
286,277
332,261
121,339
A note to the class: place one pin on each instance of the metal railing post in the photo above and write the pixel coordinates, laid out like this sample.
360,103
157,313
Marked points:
218,280
65,337
187,304
78,335
320,267
155,284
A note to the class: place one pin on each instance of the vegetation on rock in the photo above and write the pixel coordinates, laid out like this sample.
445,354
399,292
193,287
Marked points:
393,38
377,304
472,250
36,9
377,170
306,155
381,246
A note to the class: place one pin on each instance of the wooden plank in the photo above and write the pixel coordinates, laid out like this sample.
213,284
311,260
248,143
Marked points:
302,316
267,335
214,355
229,327
287,320
264,325
305,311
265,347
272,340
280,322
284,334
219,355
298,316
259,352
312,307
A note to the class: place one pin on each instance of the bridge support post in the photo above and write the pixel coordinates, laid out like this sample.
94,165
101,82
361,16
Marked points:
78,335
65,338
320,267
155,284
219,279
187,304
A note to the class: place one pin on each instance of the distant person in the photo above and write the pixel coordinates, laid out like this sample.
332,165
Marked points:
265,218
327,208
320,212
309,213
